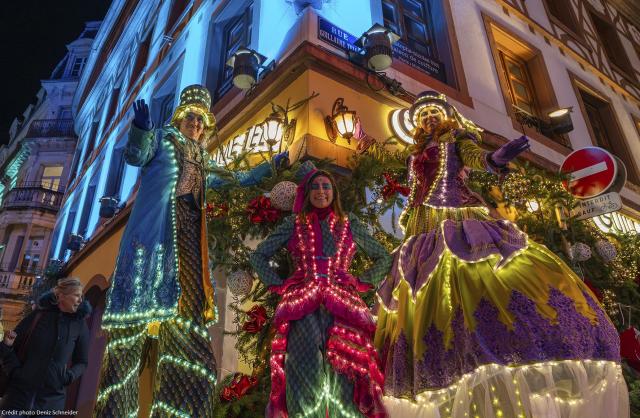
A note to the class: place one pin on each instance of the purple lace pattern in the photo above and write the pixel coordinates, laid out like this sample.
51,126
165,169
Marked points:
533,338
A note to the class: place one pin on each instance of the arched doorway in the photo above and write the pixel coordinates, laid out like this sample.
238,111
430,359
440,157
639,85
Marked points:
81,395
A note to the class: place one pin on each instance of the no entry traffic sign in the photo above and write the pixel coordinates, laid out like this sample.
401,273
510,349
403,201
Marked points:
592,171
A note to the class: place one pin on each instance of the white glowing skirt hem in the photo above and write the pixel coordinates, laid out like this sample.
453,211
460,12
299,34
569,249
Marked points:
556,389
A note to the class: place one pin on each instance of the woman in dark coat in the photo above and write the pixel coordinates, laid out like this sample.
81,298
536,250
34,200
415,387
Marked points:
60,335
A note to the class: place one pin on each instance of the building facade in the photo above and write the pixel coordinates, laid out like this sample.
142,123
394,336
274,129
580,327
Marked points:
504,63
35,168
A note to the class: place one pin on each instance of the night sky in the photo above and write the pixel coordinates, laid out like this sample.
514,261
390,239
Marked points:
34,34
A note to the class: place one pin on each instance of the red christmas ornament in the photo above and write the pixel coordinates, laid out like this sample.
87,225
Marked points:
258,317
392,187
261,211
630,347
214,210
239,386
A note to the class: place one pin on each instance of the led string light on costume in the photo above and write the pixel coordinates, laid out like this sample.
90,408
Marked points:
326,395
319,286
125,341
189,365
117,386
188,324
168,408
449,393
134,414
413,182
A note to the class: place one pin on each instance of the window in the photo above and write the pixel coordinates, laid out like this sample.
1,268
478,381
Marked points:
65,113
141,58
78,65
86,210
51,176
91,141
116,170
562,11
71,219
411,19
177,9
113,105
519,82
525,84
611,44
604,129
236,33
162,109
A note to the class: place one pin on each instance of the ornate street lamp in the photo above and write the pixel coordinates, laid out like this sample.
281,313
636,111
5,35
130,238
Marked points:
245,63
341,122
273,128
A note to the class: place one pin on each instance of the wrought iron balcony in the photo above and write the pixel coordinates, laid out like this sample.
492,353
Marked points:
47,128
33,196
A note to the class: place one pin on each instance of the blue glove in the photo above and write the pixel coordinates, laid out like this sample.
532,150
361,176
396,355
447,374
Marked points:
141,116
509,151
281,160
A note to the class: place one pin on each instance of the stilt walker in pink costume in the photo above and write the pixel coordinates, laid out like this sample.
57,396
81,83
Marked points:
323,362
475,319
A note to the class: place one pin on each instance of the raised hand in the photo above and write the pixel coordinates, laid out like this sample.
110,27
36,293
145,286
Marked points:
281,160
141,116
509,151
9,338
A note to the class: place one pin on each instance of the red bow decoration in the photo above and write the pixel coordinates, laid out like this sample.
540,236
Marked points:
392,187
258,315
214,210
261,211
630,347
239,386
594,289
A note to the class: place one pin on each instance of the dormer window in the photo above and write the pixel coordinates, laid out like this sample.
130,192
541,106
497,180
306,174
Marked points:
78,65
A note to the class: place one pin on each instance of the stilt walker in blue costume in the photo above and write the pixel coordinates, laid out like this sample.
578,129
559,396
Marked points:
161,285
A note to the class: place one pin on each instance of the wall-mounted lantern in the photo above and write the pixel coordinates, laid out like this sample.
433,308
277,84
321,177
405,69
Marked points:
341,122
560,120
377,42
273,128
108,206
245,63
76,241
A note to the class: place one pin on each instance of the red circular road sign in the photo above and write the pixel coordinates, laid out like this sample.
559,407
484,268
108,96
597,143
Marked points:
592,171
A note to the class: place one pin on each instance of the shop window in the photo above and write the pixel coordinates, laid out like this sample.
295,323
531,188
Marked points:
604,129
611,44
562,12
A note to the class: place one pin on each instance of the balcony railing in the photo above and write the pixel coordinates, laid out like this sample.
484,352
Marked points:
18,280
33,196
46,128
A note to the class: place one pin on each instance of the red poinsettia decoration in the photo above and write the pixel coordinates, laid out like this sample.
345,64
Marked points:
257,319
261,211
239,386
392,187
216,210
630,347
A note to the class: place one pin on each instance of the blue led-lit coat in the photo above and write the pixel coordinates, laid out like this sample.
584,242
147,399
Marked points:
145,287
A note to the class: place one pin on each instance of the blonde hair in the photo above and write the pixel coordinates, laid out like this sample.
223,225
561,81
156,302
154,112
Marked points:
67,286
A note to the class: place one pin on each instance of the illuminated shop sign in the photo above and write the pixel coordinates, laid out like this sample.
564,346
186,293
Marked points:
253,141
616,223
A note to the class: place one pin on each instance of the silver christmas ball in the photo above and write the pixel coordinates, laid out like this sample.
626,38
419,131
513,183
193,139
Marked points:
240,283
283,195
606,250
579,252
